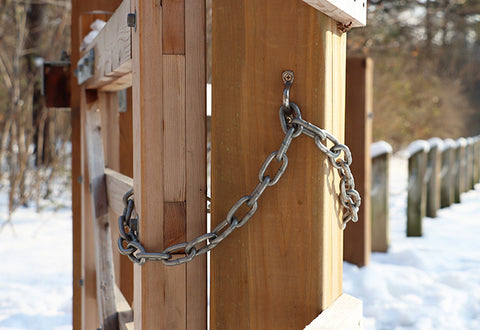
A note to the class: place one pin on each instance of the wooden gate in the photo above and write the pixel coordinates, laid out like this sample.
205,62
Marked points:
138,116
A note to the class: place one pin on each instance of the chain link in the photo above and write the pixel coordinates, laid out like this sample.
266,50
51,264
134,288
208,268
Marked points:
293,126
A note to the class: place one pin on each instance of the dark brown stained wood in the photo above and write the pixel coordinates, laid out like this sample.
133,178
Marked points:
358,137
175,223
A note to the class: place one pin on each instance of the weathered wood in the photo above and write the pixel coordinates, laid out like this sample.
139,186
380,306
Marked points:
448,173
381,153
112,49
105,276
125,312
477,159
470,150
269,265
168,178
345,313
434,166
358,137
117,185
349,12
416,200
84,315
459,173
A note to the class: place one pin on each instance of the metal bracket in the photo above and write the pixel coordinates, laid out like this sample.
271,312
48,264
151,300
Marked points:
85,67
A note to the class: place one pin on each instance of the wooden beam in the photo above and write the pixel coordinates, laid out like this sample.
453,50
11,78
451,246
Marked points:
112,49
169,162
290,254
105,276
358,137
84,315
117,185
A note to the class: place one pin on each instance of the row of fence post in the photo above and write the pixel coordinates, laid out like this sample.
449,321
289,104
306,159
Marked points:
439,171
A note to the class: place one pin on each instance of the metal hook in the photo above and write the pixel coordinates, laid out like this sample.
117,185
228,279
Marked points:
287,77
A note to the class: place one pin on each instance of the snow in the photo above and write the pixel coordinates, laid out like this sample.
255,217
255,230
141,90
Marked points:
430,282
36,271
379,148
417,146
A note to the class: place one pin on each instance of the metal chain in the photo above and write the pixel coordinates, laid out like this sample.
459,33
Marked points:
293,125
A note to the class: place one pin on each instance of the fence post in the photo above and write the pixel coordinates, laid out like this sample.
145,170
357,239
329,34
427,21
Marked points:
283,267
381,152
434,165
460,172
416,202
168,65
447,173
471,163
477,159
358,136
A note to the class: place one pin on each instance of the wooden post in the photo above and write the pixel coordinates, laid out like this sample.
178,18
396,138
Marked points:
459,179
477,159
471,164
283,267
169,147
83,312
358,136
433,177
381,152
416,202
447,174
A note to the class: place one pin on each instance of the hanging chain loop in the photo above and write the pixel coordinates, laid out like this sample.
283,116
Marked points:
293,126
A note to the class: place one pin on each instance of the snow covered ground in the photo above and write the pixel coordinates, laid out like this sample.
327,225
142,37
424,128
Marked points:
36,269
431,282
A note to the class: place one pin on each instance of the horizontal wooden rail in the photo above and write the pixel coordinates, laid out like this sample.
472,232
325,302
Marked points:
117,185
113,53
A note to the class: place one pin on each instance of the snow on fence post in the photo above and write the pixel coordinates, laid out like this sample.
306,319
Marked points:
447,173
459,169
434,165
381,152
416,203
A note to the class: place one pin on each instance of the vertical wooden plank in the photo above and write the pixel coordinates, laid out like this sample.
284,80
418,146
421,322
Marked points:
284,267
169,161
196,154
416,200
381,152
433,177
447,173
150,280
126,167
358,137
105,277
83,311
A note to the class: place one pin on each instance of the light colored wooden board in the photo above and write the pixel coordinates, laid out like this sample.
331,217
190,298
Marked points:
269,265
159,292
196,153
343,11
112,49
346,313
358,128
105,277
117,186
